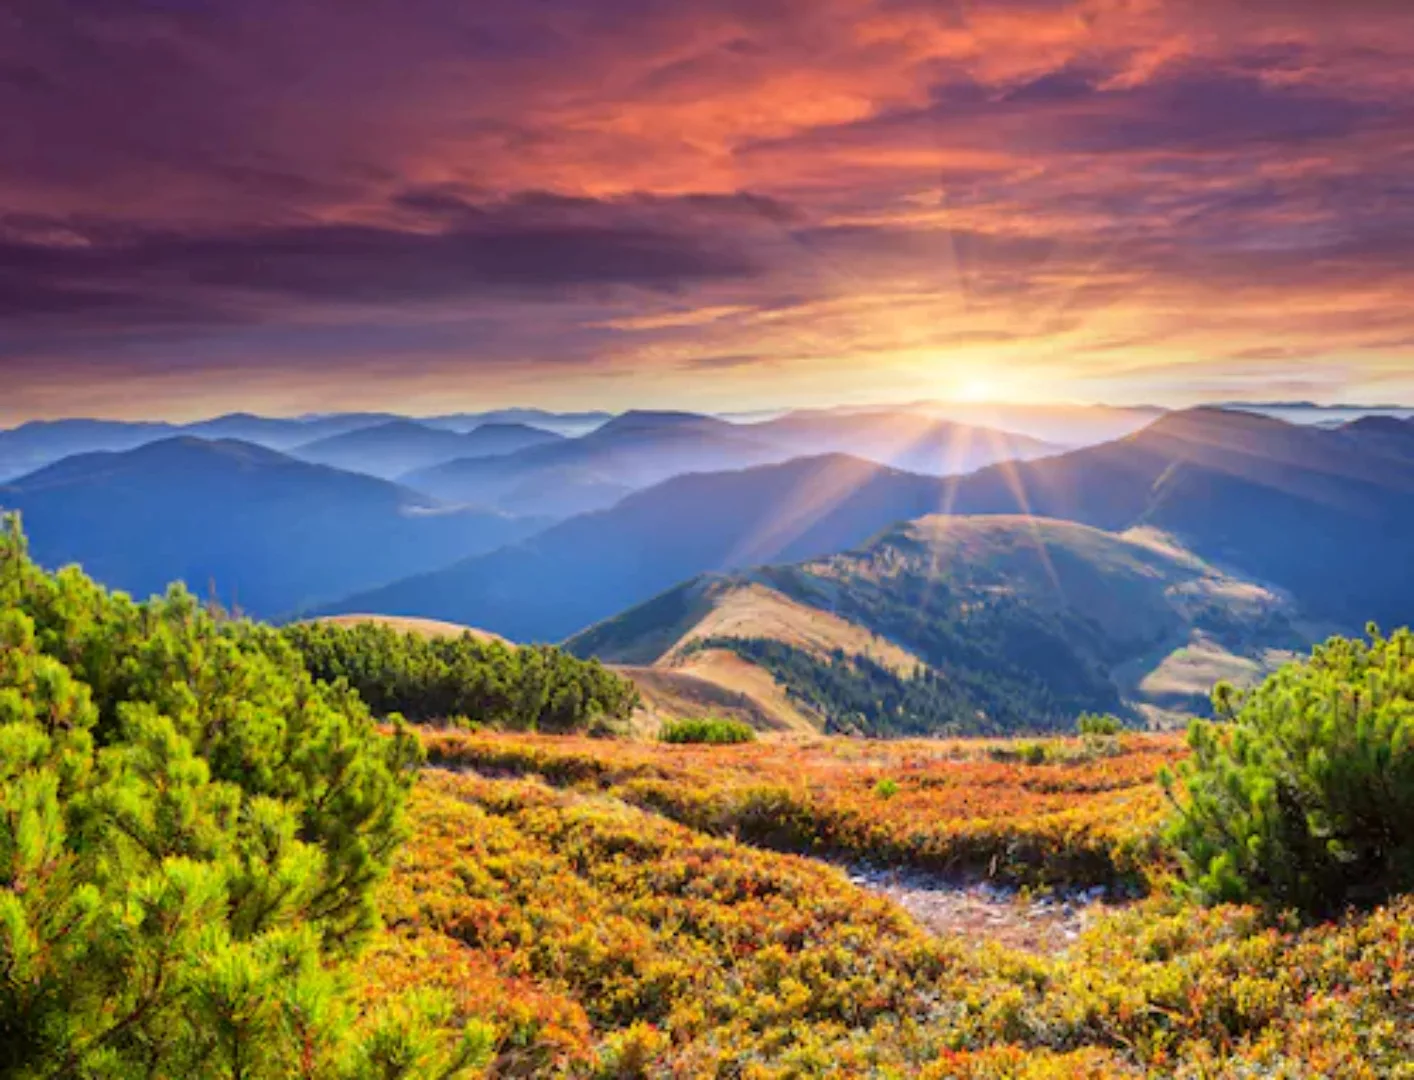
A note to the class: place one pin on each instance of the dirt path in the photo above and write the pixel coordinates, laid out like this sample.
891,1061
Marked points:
1042,924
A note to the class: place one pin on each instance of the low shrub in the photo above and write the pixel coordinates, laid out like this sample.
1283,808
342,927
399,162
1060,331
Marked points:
711,730
192,831
1099,724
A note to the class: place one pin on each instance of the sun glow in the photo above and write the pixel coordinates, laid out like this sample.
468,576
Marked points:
975,391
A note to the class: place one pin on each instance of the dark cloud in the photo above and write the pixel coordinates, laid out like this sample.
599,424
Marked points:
1071,111
1209,111
535,246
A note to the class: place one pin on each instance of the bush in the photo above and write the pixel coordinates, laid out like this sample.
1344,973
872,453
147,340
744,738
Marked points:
1302,799
191,830
714,731
1099,724
532,688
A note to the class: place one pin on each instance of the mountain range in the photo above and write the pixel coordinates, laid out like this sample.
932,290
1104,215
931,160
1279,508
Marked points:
594,565
640,449
745,524
395,447
1324,514
265,532
33,445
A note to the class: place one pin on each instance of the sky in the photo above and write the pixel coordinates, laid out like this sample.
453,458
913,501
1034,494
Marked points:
307,205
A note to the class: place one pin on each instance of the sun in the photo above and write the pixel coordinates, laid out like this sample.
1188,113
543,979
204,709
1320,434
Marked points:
975,390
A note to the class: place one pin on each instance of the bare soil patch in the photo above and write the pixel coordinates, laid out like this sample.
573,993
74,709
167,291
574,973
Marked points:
980,911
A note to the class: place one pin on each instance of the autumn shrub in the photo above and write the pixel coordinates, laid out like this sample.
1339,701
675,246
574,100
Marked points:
191,833
711,731
1303,797
608,941
1076,818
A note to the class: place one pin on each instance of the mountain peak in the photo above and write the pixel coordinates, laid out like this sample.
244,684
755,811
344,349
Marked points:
193,447
1381,425
1214,418
650,420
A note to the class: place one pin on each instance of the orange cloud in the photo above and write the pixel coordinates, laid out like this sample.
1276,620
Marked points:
762,198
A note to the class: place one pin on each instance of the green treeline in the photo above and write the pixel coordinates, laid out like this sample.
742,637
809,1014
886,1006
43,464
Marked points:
530,688
191,830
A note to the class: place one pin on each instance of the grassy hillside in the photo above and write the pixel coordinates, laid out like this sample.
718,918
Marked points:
715,684
218,865
971,625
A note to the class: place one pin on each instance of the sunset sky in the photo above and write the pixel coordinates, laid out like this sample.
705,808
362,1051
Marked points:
291,205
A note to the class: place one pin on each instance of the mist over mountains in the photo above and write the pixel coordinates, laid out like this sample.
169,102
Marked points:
538,527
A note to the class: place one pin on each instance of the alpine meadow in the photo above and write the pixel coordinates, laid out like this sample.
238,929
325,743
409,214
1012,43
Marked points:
706,540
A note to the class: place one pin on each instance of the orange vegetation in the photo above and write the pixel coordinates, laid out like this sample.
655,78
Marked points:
600,939
1065,811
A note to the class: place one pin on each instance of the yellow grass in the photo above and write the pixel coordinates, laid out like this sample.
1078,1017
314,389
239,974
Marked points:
753,610
427,628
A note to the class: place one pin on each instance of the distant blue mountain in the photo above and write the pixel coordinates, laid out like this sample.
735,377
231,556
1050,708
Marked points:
264,531
400,446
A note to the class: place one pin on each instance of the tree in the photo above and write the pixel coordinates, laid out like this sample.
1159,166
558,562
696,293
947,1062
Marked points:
191,829
1303,799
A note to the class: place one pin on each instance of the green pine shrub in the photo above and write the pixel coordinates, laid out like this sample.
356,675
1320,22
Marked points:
191,830
714,731
1301,795
530,688
1099,724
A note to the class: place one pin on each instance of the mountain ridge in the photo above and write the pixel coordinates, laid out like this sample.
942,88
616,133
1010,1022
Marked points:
271,533
1315,511
991,624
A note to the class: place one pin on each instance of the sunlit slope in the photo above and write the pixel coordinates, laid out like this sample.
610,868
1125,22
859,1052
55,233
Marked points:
426,628
717,606
1017,622
717,683
660,645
